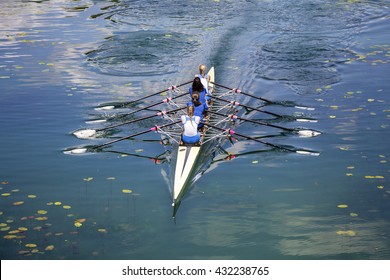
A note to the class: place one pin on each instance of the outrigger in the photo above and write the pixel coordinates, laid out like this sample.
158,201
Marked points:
221,123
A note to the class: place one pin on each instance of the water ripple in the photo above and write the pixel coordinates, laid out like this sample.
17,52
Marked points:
141,53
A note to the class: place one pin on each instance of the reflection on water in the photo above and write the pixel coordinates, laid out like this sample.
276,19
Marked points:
59,59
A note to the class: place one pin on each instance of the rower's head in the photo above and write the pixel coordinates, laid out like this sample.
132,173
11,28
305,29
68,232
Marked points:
202,69
197,85
195,98
190,110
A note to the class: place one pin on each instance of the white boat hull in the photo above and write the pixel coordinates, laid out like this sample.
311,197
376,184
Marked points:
186,161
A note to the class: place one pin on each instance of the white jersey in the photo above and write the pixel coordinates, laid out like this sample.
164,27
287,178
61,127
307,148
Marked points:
190,128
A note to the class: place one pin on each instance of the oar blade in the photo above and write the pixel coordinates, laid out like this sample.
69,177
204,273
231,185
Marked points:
304,152
76,151
102,108
308,133
85,133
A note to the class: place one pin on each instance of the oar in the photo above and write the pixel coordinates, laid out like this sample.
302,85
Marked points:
263,99
124,104
166,100
302,132
231,132
235,103
154,128
88,133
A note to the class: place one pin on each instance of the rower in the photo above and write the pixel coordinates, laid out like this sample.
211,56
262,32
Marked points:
204,77
190,122
200,109
198,86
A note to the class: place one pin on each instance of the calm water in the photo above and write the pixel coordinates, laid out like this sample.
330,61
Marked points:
60,59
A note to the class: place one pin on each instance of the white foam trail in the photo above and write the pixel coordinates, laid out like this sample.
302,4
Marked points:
85,133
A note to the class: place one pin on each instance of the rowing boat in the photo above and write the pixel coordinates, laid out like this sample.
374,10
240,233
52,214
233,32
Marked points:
187,156
189,162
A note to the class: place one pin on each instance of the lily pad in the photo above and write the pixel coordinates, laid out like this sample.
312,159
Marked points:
127,191
342,206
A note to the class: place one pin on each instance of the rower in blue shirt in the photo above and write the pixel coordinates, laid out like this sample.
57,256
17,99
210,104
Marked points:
198,86
200,109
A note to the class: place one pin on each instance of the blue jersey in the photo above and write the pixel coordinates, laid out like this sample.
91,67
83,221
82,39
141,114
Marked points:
203,97
199,110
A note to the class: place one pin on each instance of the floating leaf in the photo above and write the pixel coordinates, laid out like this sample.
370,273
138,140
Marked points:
78,224
139,150
18,203
380,187
41,218
255,162
14,231
49,248
31,245
32,196
81,220
346,232
353,214
374,177
332,117
23,229
5,194
57,203
102,230
349,174
42,212
127,191
111,178
342,206
5,229
88,179
10,236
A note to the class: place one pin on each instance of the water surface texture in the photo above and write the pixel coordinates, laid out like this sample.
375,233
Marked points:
61,59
